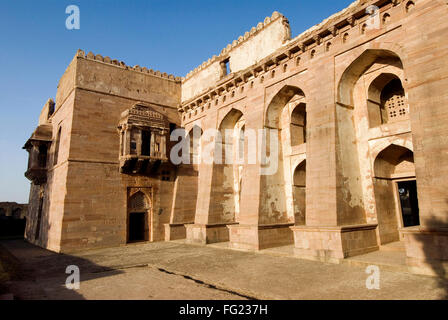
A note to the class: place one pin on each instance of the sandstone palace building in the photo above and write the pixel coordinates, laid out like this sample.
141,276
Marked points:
360,102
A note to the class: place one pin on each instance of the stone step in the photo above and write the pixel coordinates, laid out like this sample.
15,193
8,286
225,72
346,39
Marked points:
393,247
386,260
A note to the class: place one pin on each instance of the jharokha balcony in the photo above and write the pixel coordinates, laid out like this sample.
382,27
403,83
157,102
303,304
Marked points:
37,146
143,140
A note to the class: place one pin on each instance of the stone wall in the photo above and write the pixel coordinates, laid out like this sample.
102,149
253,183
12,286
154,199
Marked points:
338,72
85,196
332,66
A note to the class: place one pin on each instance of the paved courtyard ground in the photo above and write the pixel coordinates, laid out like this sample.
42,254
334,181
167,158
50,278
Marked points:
174,270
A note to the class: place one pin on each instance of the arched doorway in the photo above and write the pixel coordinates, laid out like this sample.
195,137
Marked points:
395,192
139,219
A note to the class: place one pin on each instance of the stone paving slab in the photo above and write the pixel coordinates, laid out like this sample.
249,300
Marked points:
237,273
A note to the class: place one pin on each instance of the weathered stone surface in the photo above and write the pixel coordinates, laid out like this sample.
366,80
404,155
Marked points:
360,107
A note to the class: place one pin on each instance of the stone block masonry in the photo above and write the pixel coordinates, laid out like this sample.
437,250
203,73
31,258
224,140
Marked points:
360,112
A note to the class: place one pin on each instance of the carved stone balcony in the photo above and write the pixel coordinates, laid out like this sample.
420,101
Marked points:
143,140
37,147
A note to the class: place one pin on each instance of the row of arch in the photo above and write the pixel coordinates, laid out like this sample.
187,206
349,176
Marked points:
384,101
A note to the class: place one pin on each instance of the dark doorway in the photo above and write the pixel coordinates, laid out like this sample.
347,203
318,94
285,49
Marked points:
146,143
407,191
137,226
11,228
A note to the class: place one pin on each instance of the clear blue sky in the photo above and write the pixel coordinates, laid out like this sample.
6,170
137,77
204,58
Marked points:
166,35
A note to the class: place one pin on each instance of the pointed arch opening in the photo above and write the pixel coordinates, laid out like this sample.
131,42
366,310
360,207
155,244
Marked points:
138,218
227,175
362,81
386,102
298,125
395,192
358,67
285,122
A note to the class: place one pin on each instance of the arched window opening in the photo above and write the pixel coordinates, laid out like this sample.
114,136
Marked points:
298,125
386,101
393,105
409,6
364,28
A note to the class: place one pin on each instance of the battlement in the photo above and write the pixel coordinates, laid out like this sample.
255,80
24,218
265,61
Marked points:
207,80
242,39
91,56
248,50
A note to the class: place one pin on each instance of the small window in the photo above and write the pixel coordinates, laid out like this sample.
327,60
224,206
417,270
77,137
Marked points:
172,127
51,108
42,158
364,28
409,6
146,143
166,176
225,67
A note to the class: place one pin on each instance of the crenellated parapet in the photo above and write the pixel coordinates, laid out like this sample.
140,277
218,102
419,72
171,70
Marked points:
338,28
242,39
91,56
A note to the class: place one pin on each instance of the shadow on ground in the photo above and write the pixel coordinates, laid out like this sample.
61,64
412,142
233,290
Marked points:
433,253
35,273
